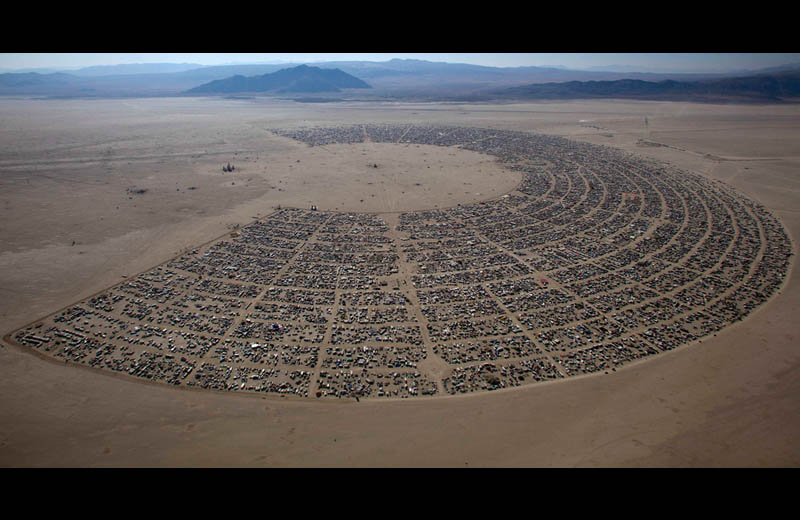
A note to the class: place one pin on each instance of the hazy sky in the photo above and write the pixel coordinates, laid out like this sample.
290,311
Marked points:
697,62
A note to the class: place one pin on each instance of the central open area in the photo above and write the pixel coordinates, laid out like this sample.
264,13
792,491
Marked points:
388,177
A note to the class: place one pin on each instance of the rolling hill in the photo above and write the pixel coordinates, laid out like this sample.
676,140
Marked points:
770,88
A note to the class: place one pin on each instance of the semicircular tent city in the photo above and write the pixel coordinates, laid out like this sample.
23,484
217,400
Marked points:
596,259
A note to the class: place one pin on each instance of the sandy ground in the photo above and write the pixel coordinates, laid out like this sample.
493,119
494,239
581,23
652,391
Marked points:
69,171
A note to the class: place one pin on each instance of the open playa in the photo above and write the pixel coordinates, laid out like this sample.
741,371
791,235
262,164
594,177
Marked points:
96,192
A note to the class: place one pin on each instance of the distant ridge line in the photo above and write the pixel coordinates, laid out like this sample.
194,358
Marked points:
300,79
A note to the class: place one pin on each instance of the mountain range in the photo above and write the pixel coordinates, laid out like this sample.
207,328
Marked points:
765,88
400,79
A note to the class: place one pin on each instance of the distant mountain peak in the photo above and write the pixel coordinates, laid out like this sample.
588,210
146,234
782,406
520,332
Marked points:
302,78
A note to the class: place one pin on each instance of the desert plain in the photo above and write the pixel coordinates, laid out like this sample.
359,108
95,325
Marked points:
97,190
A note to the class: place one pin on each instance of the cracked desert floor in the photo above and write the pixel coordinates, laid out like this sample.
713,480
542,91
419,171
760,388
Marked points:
96,192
